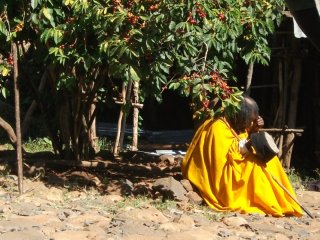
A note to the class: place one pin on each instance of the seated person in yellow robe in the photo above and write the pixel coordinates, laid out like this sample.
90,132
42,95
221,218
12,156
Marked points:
231,178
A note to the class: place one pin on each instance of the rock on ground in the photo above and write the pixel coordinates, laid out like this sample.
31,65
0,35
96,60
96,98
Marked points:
46,212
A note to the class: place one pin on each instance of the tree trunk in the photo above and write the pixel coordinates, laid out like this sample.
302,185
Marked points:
135,116
17,115
126,93
116,149
126,109
93,139
249,78
46,112
11,134
92,112
27,117
77,121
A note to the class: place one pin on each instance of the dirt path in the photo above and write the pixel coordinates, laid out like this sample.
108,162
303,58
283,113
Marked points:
48,212
107,200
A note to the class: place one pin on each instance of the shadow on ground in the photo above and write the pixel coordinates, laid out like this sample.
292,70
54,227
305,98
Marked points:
133,173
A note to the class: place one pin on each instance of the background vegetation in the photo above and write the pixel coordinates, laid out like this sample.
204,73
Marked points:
73,54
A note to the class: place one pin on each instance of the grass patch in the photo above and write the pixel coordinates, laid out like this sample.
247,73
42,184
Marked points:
38,145
44,144
134,202
163,205
105,144
209,213
301,179
317,173
4,170
294,176
295,179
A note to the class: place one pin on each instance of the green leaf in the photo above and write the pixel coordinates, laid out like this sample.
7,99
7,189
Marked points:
207,87
57,36
133,74
34,18
34,3
68,2
45,35
4,92
121,50
164,68
47,12
270,25
172,25
149,44
104,46
4,71
113,50
196,89
54,50
174,85
87,63
3,28
197,81
181,25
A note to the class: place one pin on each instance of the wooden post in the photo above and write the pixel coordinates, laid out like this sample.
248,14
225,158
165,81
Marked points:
17,115
285,144
294,93
288,151
279,114
280,146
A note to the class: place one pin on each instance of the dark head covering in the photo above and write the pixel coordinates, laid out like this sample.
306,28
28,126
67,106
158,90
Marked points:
248,112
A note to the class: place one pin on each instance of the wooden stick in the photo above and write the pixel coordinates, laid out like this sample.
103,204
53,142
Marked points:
281,130
290,195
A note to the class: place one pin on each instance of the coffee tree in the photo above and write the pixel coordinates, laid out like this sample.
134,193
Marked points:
189,46
91,51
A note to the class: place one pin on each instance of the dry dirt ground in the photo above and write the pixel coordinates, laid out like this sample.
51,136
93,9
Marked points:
114,199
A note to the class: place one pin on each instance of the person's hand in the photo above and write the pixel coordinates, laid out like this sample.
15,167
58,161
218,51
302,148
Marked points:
257,124
260,122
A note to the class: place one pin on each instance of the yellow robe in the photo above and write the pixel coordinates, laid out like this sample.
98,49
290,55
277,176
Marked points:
228,181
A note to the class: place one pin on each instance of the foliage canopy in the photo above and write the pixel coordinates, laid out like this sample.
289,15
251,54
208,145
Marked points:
92,46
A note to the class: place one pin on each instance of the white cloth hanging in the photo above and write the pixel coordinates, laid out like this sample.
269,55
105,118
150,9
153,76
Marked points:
298,33
317,2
